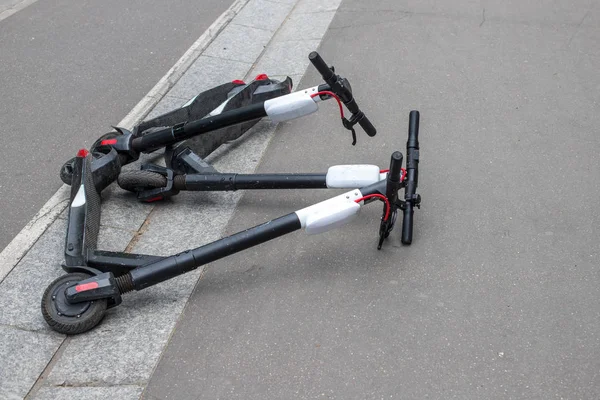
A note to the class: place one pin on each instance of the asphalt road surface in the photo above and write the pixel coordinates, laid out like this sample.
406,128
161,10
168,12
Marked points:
497,297
68,70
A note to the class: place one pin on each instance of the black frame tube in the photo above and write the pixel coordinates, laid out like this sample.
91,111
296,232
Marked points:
376,188
178,264
155,140
74,246
117,262
226,182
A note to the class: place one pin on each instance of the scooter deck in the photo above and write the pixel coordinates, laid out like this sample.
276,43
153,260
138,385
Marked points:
226,97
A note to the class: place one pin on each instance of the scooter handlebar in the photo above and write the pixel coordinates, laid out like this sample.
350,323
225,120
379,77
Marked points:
367,126
321,66
413,129
341,87
412,177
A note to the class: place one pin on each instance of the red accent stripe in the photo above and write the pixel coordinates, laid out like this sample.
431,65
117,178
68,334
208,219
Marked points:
82,153
261,77
108,142
86,286
238,82
152,199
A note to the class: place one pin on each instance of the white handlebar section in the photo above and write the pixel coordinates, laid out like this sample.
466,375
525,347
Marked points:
293,105
330,214
351,176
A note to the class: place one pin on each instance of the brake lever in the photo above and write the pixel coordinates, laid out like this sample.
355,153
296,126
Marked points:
386,227
349,124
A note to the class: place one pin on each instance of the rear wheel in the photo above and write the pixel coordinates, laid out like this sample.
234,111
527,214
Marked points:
67,318
66,171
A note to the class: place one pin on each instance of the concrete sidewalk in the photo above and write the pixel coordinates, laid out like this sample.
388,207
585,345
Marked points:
116,359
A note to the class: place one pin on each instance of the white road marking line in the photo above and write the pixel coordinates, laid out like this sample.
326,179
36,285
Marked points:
15,8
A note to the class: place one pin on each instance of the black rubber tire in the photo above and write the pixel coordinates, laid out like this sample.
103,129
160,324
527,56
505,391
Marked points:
66,171
66,324
137,181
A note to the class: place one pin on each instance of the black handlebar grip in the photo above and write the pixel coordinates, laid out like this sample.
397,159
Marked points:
407,224
412,176
395,167
413,130
320,65
393,177
367,126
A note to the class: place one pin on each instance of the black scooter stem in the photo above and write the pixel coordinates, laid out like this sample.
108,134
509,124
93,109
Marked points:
226,182
186,261
155,140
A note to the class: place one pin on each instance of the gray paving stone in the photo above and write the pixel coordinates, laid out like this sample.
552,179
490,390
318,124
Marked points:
208,72
49,247
24,356
305,26
129,392
263,14
239,43
283,58
129,340
194,218
244,153
191,220
318,6
120,209
21,291
126,347
114,239
166,104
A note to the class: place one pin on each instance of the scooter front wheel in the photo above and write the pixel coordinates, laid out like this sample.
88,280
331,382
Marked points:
67,318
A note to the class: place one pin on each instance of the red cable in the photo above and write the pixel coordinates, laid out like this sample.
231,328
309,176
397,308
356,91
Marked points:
383,171
380,197
327,92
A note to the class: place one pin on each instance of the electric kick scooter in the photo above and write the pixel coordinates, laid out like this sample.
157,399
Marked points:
96,279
